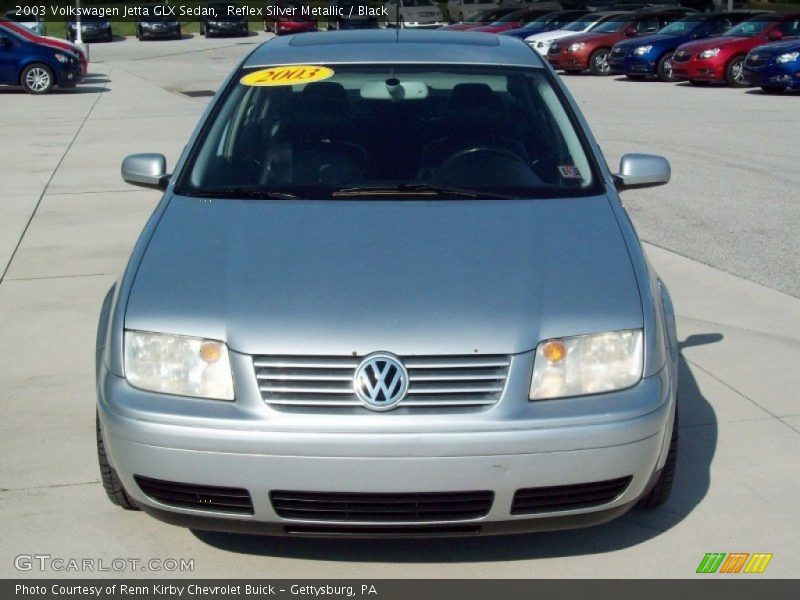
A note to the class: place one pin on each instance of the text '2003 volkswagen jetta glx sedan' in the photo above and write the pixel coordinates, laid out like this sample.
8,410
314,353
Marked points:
390,290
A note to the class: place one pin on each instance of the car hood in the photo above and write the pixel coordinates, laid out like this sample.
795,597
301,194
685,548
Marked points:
782,46
656,39
714,42
598,38
409,277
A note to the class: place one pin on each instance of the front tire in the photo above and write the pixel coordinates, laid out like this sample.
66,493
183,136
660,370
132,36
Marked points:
111,483
663,487
598,63
37,79
664,68
734,73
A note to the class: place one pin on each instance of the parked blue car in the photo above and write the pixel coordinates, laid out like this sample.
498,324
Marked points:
549,22
36,67
775,67
651,56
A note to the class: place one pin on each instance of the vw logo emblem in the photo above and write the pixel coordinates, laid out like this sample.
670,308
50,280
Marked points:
381,381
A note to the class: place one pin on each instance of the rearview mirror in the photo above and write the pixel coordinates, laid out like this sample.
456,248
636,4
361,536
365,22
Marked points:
642,170
146,170
394,89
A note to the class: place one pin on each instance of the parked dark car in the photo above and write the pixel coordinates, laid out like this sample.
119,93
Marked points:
93,29
353,14
652,55
36,67
223,22
549,22
159,24
775,67
286,16
513,20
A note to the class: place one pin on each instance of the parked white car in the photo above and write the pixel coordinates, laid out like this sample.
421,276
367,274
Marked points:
541,41
413,13
461,10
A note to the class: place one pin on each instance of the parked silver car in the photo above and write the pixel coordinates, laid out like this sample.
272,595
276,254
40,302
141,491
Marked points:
390,290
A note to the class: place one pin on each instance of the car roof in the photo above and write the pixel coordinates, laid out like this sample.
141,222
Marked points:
364,46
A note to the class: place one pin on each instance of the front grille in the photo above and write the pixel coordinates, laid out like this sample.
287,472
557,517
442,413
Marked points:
757,60
441,381
567,497
618,53
399,531
201,497
681,56
384,508
554,49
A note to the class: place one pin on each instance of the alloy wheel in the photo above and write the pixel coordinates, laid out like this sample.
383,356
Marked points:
37,79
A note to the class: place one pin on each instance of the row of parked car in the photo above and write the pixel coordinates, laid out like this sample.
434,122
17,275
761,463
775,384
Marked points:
670,43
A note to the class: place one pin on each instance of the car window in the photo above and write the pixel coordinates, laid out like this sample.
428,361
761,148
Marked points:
501,129
790,28
749,28
647,26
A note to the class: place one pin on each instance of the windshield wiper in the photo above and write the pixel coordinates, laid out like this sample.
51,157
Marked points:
417,189
244,193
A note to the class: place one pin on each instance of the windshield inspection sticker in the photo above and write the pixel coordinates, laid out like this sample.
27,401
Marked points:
291,75
569,172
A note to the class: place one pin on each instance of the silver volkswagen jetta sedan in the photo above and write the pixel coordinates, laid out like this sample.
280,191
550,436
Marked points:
390,290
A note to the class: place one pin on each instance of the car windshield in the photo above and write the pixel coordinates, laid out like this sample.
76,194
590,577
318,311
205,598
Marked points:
749,28
395,130
682,27
579,25
611,26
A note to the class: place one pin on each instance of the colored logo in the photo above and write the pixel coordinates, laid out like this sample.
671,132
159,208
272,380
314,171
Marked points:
291,75
734,562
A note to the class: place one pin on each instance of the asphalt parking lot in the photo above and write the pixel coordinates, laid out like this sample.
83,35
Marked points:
723,235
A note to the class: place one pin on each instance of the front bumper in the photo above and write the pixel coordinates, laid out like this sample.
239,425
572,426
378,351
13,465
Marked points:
568,61
152,33
698,70
774,75
246,454
632,65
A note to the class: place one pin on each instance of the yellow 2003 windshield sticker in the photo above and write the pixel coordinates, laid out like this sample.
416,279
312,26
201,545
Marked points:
291,75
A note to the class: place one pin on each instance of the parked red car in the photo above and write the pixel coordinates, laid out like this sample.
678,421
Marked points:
722,58
590,50
513,20
288,18
23,31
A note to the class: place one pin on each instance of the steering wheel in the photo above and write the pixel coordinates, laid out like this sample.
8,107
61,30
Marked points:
453,159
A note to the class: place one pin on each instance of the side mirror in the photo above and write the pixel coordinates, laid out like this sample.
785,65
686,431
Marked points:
146,170
775,35
642,170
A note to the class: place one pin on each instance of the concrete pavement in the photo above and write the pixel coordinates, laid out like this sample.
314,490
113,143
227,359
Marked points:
67,223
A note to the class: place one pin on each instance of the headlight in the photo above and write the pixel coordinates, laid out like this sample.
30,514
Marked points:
576,47
172,364
62,58
709,53
642,50
587,364
789,57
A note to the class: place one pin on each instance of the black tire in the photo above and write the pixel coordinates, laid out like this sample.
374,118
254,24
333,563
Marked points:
111,483
37,79
734,73
772,89
664,68
663,487
598,62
